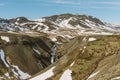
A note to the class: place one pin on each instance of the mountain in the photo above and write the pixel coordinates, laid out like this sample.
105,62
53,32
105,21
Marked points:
66,26
59,47
7,25
66,21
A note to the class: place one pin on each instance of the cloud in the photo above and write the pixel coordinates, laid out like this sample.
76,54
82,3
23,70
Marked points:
110,3
66,2
82,2
69,2
108,8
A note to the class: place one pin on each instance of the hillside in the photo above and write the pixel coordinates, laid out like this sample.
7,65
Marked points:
59,47
22,56
87,58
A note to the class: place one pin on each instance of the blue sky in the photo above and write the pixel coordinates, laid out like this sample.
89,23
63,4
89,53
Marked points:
105,10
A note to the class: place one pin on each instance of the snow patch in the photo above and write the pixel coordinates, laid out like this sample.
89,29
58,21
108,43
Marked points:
84,39
36,51
66,75
34,27
84,47
116,78
91,39
18,19
7,75
5,38
40,63
40,20
92,75
16,23
54,39
72,63
68,36
2,55
20,73
52,59
44,75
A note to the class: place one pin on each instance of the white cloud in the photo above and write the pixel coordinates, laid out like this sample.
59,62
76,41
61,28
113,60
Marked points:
113,5
81,2
106,3
110,8
70,2
66,2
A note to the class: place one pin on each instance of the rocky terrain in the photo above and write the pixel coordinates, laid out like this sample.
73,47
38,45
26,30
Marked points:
59,47
22,56
87,58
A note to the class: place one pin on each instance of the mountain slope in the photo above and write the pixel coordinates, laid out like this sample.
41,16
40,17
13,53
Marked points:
94,58
6,25
22,56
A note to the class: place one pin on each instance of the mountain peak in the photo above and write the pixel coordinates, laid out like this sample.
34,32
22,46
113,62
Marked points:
2,20
19,20
75,17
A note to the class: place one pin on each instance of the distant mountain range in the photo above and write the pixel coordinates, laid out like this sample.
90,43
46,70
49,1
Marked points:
53,24
64,25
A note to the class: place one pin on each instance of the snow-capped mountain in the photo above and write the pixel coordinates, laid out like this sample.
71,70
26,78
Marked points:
7,25
83,23
66,26
59,47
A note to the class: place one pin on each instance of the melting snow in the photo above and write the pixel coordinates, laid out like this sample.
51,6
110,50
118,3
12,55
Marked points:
7,75
68,36
40,20
66,75
52,59
84,47
100,33
5,38
72,63
2,55
116,78
84,39
20,73
34,27
91,39
44,75
36,51
92,75
64,23
54,39
18,19
40,63
16,22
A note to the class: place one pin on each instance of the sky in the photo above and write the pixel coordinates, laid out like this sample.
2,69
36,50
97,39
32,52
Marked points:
105,10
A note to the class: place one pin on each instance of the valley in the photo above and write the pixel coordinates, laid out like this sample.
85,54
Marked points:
59,47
